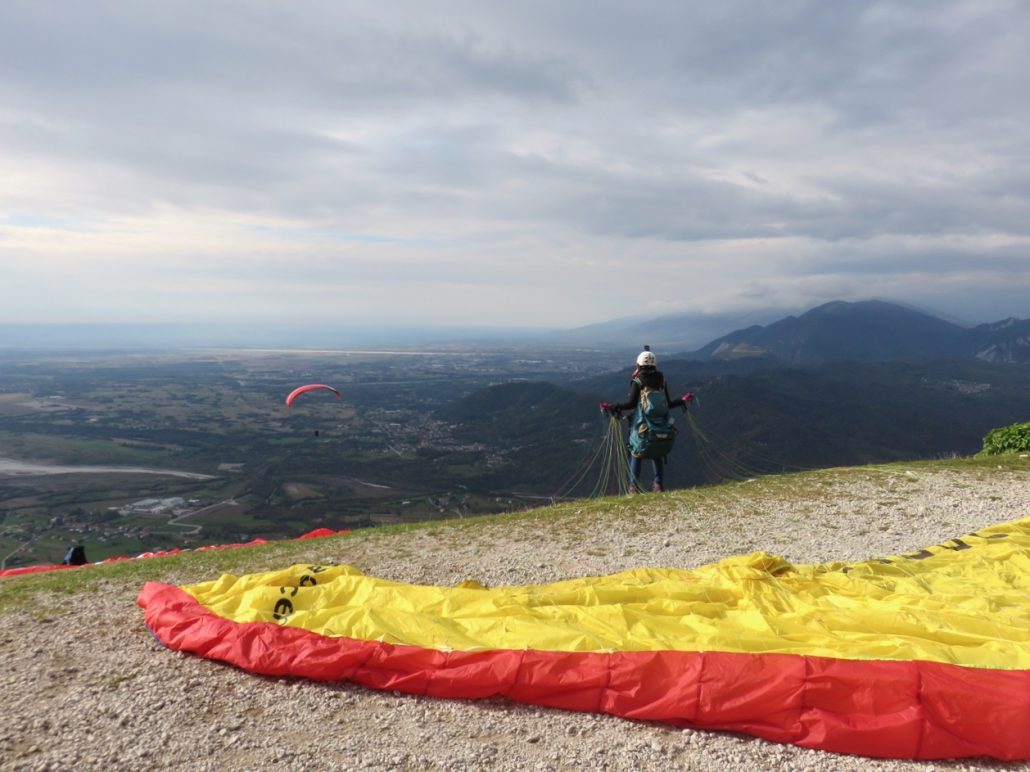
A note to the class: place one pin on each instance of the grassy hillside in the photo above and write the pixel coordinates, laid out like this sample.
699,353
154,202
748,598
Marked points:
569,523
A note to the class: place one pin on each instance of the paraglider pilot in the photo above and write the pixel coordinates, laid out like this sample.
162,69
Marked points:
76,556
647,380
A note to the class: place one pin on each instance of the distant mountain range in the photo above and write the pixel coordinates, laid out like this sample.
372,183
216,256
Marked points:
669,332
870,331
842,384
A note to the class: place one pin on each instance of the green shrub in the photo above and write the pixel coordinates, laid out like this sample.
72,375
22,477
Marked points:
1007,439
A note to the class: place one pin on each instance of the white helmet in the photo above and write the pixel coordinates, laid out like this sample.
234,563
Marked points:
646,359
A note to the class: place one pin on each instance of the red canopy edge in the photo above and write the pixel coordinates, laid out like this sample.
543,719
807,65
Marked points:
909,710
33,569
315,534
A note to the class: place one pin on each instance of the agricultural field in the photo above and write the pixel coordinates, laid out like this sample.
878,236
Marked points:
85,439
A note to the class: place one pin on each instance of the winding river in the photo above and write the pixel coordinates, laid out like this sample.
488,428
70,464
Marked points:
12,468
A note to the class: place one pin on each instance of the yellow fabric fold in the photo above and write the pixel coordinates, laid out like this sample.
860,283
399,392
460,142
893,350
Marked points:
965,601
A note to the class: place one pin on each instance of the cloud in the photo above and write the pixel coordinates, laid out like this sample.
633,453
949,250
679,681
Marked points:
545,157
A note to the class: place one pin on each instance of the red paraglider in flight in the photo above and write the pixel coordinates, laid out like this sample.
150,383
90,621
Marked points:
310,387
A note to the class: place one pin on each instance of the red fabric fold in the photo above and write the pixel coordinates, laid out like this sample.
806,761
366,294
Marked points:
910,709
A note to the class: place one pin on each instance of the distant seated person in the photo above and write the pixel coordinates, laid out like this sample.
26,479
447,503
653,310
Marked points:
76,556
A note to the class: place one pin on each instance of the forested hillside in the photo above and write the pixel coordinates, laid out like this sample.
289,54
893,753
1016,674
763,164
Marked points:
770,419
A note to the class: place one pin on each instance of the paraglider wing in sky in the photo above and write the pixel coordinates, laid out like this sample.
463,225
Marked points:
918,656
304,389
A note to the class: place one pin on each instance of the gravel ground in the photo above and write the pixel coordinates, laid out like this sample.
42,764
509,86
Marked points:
85,686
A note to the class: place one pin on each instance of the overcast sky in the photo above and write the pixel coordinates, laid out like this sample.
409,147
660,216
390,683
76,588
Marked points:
510,163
